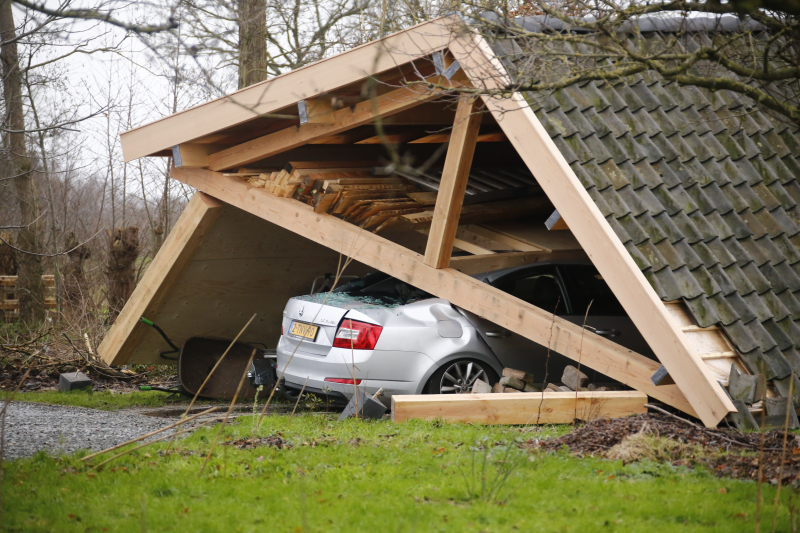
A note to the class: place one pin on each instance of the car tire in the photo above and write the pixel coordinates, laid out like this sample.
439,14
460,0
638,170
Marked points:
438,384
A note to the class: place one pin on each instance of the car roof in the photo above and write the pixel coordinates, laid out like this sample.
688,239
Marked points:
491,276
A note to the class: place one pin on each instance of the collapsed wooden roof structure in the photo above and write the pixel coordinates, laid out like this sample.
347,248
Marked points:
694,228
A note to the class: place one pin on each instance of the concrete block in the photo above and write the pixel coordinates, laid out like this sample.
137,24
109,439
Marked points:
368,407
574,378
73,381
552,387
481,387
511,381
497,388
519,374
531,388
563,388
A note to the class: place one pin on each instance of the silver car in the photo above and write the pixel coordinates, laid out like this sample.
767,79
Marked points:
379,332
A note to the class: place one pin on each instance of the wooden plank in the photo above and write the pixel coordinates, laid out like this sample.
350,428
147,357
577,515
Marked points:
477,264
273,95
461,289
187,234
536,234
519,408
344,119
512,242
453,184
592,230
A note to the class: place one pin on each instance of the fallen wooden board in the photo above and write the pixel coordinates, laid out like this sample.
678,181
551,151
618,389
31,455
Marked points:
519,408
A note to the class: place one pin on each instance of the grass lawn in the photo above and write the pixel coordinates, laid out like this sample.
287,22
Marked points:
373,476
106,400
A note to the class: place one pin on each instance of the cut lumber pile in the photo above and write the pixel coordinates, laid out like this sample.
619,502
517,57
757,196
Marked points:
519,408
350,190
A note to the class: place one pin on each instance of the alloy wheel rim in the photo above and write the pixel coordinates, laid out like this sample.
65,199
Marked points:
460,377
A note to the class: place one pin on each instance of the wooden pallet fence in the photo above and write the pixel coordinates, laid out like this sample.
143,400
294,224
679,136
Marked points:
9,303
519,408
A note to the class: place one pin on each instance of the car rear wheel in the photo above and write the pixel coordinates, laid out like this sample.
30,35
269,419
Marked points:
458,377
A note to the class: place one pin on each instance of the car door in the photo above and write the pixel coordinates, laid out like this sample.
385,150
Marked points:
543,287
567,289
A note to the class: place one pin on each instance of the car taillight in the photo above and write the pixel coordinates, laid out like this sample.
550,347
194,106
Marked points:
345,381
357,335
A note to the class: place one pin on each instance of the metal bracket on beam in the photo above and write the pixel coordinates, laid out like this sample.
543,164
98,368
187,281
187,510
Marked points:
438,63
176,155
303,111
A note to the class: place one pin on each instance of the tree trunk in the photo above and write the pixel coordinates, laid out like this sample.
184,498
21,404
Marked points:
29,284
8,259
75,288
252,42
123,251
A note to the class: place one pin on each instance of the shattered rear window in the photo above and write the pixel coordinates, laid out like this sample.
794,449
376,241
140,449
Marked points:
373,290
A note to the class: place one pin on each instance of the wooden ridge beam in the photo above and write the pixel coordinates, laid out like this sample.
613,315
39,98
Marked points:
461,289
592,230
519,408
453,184
342,120
189,231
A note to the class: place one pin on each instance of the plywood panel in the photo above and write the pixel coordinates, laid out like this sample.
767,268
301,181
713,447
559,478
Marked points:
245,265
519,408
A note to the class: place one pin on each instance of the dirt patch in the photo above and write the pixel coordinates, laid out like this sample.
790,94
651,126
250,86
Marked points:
249,444
727,452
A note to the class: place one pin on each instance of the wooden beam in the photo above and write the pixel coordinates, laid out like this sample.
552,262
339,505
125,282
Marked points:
453,184
194,155
344,119
464,245
592,230
476,264
461,289
514,244
151,292
518,408
439,138
316,110
273,95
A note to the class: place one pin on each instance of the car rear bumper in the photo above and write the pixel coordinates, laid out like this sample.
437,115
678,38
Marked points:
394,372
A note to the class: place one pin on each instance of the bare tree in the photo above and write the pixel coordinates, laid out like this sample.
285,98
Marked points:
29,284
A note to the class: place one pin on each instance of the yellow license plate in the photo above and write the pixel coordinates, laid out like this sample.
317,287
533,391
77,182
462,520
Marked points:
307,331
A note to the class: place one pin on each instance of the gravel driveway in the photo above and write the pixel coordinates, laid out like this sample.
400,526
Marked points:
31,427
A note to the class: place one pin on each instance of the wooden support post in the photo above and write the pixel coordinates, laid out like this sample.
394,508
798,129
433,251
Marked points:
519,408
592,230
531,322
151,292
454,183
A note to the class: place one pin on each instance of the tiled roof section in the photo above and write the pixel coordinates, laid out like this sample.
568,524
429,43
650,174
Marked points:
702,190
